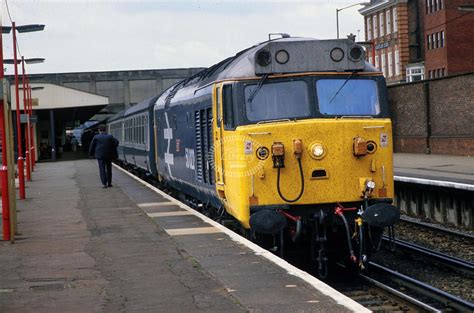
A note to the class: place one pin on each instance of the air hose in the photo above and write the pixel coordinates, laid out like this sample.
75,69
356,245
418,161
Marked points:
302,184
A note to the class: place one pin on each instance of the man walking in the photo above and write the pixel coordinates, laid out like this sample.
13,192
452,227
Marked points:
104,148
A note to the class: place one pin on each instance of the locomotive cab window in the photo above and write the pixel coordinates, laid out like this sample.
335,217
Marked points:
357,97
278,100
227,107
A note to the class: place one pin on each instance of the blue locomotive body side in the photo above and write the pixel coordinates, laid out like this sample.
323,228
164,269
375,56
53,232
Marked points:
184,143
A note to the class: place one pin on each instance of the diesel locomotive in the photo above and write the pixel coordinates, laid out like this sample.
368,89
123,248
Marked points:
290,137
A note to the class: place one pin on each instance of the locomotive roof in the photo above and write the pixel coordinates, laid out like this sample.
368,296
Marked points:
305,55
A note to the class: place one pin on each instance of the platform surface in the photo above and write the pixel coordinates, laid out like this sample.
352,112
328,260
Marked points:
83,248
458,169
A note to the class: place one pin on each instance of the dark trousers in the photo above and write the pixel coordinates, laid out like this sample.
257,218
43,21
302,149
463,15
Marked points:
105,170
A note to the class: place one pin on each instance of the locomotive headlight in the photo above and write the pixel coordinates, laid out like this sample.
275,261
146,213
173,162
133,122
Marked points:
317,151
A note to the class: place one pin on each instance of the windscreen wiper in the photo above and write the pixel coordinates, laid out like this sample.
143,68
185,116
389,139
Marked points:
340,88
257,89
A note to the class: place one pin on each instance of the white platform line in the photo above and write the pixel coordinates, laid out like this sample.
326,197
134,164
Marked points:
173,213
192,231
291,270
152,204
431,182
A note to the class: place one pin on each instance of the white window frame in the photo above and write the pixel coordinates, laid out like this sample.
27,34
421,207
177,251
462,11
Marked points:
390,64
395,19
388,20
375,27
369,28
397,62
381,24
384,64
415,71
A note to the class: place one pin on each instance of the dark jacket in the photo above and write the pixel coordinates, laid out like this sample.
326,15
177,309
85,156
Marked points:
104,146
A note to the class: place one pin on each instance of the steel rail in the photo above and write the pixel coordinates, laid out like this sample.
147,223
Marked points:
399,294
437,228
453,262
447,299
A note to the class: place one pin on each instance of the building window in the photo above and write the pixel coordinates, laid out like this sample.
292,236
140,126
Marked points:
397,63
369,28
389,21
390,64
377,61
395,20
384,65
438,71
381,24
442,38
415,73
428,40
435,5
436,40
440,5
374,23
443,71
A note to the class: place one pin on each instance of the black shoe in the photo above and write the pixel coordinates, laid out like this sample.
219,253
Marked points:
104,186
109,185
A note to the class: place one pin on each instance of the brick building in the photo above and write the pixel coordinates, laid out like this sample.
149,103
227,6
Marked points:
448,37
419,39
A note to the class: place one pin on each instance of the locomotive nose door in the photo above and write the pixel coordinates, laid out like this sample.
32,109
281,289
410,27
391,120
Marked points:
217,126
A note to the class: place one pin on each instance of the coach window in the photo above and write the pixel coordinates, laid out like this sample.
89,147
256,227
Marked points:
227,107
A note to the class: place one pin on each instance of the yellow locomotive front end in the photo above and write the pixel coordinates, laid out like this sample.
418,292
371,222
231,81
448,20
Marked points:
307,152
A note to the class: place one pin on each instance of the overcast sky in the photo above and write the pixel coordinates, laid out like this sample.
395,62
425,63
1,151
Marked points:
82,36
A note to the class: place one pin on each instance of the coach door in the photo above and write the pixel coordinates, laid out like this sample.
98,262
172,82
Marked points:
218,140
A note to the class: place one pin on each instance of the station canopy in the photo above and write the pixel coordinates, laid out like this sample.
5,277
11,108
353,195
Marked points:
68,104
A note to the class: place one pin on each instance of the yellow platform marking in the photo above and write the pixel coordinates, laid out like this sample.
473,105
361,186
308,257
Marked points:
152,204
192,231
173,213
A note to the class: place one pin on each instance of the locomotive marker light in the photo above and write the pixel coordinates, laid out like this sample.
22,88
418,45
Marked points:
282,56
337,54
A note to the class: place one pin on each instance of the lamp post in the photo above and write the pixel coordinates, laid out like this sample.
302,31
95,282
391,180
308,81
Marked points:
4,169
27,113
347,7
20,29
32,144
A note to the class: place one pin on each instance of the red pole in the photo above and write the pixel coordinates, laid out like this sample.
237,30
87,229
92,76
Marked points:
27,126
21,173
4,168
31,130
5,204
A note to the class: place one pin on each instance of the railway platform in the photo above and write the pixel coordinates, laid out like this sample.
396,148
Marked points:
131,248
435,167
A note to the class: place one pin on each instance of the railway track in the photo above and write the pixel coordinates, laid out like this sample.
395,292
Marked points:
434,227
451,261
443,300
